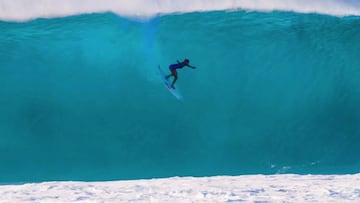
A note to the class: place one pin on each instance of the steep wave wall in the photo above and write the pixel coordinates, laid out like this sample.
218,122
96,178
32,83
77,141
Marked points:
273,92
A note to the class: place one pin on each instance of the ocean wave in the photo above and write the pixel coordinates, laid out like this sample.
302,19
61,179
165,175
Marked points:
20,10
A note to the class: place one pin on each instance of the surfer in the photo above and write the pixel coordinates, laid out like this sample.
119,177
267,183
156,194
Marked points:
173,68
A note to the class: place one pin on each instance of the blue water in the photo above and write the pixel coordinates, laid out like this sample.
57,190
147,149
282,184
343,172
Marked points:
273,92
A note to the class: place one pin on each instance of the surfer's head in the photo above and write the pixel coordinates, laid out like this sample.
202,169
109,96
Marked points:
186,61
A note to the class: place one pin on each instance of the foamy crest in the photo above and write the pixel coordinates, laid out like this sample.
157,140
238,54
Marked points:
20,10
254,188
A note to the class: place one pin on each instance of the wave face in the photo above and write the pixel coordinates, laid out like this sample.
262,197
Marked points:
19,10
273,93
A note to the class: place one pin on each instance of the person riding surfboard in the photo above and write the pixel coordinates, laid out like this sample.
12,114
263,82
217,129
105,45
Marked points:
173,71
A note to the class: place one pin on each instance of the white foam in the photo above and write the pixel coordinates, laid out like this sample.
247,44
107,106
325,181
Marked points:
251,188
21,10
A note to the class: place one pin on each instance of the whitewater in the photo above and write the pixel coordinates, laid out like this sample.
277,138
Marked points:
140,9
255,188
270,114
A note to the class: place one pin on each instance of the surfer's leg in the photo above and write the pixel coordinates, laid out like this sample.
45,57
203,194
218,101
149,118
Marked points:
167,77
173,73
175,79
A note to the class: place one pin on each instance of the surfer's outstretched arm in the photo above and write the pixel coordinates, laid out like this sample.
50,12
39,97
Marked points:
193,67
185,63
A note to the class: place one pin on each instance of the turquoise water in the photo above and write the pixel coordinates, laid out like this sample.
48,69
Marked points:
273,92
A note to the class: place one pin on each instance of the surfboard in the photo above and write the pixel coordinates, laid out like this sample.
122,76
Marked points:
167,84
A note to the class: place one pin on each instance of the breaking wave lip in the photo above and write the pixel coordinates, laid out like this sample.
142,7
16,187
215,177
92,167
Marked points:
19,10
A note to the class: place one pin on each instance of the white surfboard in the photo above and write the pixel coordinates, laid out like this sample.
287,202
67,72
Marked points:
167,84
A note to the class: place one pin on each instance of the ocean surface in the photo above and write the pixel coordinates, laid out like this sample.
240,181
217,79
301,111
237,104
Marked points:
275,91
